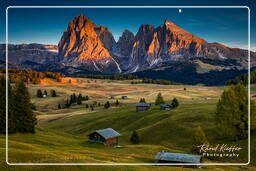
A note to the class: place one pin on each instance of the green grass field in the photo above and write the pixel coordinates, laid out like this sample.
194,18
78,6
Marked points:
61,134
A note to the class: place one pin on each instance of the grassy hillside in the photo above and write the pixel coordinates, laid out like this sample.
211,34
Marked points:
61,134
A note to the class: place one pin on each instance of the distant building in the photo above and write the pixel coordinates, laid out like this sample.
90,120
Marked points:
140,107
106,136
166,107
167,157
112,97
124,97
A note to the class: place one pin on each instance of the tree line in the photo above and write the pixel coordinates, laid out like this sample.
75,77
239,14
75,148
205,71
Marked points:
21,117
111,77
29,76
153,81
243,79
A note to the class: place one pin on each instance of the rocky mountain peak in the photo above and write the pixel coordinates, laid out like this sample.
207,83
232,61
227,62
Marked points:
125,43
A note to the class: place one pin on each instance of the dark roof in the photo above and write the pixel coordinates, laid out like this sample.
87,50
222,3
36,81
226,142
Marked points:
142,104
108,133
166,105
178,157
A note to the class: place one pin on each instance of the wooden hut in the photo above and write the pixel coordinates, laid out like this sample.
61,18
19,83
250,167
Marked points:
124,97
142,106
167,157
108,137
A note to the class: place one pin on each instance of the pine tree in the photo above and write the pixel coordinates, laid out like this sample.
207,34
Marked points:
86,106
175,103
199,139
86,98
67,105
159,99
39,94
232,112
107,105
79,99
59,106
142,100
53,93
26,119
135,138
92,109
117,103
45,92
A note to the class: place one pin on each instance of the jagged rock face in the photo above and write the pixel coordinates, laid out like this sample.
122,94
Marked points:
125,43
106,37
88,45
80,42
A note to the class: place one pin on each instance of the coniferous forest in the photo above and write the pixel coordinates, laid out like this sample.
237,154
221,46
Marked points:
20,114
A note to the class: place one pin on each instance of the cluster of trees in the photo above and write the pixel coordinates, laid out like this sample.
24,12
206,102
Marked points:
20,114
29,76
111,77
41,94
243,79
75,99
231,114
107,104
231,117
160,100
153,81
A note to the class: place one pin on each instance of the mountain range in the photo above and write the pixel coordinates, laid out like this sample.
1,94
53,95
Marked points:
165,52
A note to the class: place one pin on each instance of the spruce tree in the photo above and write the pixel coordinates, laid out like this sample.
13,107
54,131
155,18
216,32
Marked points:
86,106
45,92
232,112
26,119
79,99
175,103
117,103
53,93
135,138
159,99
39,93
59,106
142,100
199,139
107,105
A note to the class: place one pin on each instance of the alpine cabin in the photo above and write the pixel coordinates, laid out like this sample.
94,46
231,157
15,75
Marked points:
108,137
142,106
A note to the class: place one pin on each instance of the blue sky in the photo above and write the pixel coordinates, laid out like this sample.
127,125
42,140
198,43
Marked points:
227,26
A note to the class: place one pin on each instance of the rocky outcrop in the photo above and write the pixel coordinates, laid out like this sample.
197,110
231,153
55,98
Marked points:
86,44
125,43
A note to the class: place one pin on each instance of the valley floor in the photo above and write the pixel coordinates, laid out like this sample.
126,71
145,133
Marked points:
61,133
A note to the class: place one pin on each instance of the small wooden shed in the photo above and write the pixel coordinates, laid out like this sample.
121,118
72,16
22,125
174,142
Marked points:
142,106
168,157
108,137
124,97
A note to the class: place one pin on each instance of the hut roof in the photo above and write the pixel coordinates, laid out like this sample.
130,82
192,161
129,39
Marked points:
166,105
108,133
142,104
178,157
